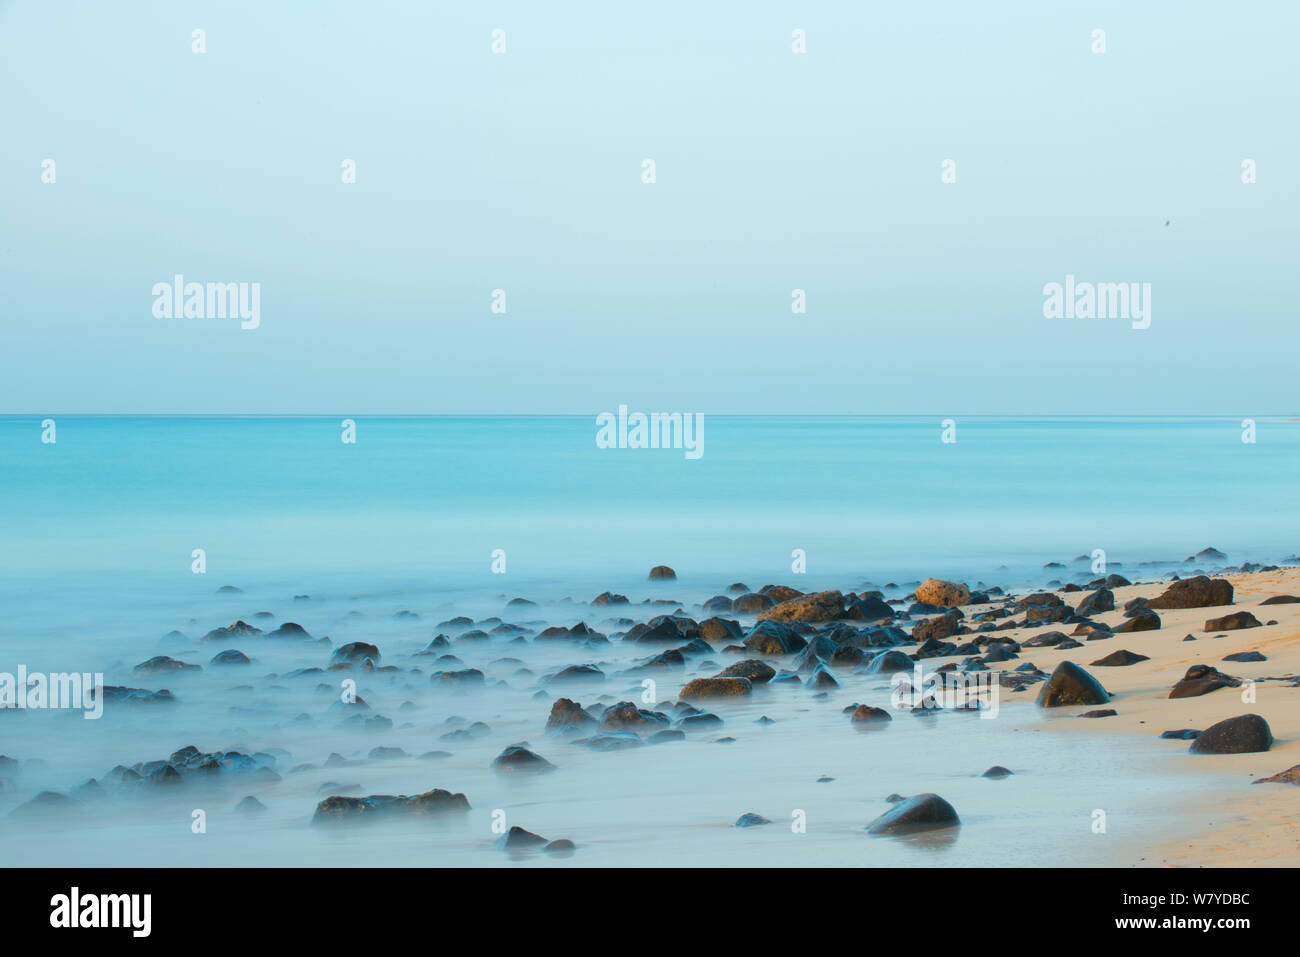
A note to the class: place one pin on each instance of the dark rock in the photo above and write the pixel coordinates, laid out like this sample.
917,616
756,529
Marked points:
517,758
731,687
662,572
1246,733
751,820
340,809
922,812
1119,659
1071,685
755,669
1200,680
1198,592
1233,622
1143,620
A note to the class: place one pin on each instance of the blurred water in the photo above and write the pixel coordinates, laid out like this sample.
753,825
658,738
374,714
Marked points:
96,534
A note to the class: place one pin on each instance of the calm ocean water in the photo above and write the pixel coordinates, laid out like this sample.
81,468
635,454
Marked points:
99,527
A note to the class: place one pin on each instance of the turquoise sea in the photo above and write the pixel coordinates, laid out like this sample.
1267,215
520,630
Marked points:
384,539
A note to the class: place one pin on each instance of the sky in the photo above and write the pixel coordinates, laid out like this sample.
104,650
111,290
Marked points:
523,171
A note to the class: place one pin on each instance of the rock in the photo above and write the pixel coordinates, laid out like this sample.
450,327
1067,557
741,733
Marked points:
250,805
1143,620
1071,685
752,604
944,626
1103,599
563,847
731,687
566,713
1119,659
625,716
518,839
774,638
997,772
1281,600
751,820
660,572
292,630
1182,734
609,598
1233,622
1198,592
340,809
162,664
1246,733
464,678
922,812
756,670
1100,713
720,630
1202,679
576,673
780,593
1290,776
869,608
46,804
822,606
231,656
354,652
890,661
1245,656
944,594
517,758
865,714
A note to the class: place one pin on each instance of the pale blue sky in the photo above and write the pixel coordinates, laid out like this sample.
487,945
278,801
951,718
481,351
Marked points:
522,171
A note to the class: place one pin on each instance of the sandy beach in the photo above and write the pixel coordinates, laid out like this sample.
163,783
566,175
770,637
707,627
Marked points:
1253,824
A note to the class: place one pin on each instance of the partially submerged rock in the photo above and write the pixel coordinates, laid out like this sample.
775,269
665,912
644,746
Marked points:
339,809
716,688
921,812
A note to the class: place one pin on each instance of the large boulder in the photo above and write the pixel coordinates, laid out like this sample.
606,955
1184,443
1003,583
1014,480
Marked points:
1071,685
921,812
1246,733
822,606
945,594
1198,592
662,572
